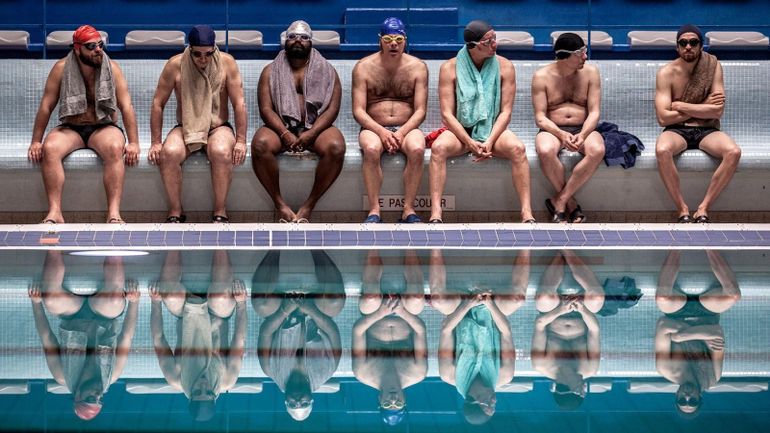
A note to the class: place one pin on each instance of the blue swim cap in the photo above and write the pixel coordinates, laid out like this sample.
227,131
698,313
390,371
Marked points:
392,417
202,36
392,26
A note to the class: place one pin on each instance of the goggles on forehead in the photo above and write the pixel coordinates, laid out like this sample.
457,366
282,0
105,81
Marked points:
486,42
399,39
300,36
579,52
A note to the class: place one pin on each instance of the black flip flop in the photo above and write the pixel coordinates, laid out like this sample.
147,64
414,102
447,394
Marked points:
684,219
173,219
577,213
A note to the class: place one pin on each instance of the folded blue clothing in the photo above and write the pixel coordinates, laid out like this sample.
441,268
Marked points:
620,147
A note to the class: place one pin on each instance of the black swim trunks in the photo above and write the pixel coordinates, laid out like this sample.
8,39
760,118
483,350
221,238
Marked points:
227,124
572,129
85,131
693,135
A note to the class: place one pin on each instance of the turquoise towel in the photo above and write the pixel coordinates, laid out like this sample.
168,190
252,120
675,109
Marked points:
477,349
478,94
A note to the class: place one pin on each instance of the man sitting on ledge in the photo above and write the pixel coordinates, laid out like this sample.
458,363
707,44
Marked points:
689,101
299,97
91,88
390,97
202,79
476,93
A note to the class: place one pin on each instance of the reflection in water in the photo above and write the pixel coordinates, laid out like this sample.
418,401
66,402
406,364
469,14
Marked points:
203,364
90,353
299,344
476,350
689,341
390,351
565,342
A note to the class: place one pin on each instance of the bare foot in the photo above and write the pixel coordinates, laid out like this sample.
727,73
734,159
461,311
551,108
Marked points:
303,214
286,214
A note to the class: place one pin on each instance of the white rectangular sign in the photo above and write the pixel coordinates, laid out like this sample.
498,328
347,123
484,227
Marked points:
422,202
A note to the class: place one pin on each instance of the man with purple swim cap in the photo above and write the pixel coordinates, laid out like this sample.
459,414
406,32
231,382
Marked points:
566,97
390,98
204,80
689,101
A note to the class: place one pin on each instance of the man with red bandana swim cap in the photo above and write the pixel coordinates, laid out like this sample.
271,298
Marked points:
689,101
89,88
390,96
203,80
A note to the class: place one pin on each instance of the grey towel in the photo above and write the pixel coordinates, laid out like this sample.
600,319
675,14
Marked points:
72,96
200,99
318,87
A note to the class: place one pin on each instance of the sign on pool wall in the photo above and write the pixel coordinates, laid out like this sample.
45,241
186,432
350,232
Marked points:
422,202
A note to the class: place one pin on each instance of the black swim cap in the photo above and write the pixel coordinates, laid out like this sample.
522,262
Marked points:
201,36
475,30
689,28
567,42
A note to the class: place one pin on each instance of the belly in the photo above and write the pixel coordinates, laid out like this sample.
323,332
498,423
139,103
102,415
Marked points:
569,114
390,329
568,328
390,112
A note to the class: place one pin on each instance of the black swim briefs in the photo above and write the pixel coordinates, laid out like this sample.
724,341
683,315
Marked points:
693,135
85,131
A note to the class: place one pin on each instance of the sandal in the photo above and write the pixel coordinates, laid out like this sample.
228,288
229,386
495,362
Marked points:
436,221
220,219
173,219
684,219
114,220
702,219
530,221
577,214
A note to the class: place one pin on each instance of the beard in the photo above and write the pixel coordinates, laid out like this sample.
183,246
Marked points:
694,58
90,62
297,51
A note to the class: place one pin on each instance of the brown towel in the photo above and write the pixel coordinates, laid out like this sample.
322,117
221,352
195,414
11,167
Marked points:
698,88
200,99
318,87
72,97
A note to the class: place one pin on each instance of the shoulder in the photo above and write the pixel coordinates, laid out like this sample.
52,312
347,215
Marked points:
364,64
504,63
667,70
591,70
449,66
174,62
58,67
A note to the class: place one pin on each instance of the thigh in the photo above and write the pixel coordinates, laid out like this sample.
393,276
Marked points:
671,141
107,141
449,145
547,144
507,143
60,142
717,144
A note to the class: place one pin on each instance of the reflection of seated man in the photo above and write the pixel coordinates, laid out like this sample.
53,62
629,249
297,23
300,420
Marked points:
299,344
476,351
203,365
689,342
389,342
565,343
90,353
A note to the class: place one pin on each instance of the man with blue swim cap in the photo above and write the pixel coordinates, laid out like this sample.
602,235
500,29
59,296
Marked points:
689,103
390,98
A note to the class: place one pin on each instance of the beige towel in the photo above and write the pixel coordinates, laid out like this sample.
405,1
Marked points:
698,88
200,99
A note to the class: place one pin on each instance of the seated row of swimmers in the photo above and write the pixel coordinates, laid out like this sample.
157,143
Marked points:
299,96
297,294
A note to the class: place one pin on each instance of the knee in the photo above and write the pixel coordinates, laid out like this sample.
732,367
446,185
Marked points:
670,304
509,304
595,150
518,151
439,152
369,303
336,150
733,155
261,147
414,152
371,152
445,303
546,150
113,151
220,153
109,306
663,151
331,304
221,306
546,303
414,303
172,155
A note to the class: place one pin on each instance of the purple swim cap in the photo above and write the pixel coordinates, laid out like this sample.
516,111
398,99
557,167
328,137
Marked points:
392,26
202,36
